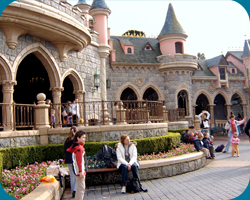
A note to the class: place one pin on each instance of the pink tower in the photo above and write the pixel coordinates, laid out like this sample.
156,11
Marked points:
172,36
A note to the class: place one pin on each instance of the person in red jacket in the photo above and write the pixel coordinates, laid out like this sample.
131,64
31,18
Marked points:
79,159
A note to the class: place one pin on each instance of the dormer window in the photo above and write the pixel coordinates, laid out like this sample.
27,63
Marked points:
148,47
222,73
233,71
129,50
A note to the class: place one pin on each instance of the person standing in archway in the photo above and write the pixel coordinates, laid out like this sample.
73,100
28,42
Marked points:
204,123
75,112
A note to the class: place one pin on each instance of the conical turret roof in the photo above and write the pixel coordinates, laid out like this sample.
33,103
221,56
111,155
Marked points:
80,2
171,26
99,4
246,51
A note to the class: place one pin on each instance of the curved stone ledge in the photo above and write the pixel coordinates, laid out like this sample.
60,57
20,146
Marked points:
151,169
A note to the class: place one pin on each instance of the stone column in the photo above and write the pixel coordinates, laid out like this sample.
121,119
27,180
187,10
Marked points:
42,118
7,90
56,94
244,110
228,110
103,51
211,106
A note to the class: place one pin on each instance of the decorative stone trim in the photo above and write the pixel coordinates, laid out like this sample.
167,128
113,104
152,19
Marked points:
43,21
133,66
139,81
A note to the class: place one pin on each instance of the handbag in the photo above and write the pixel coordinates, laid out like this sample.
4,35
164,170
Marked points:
133,186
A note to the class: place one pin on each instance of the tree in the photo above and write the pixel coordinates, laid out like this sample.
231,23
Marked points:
201,56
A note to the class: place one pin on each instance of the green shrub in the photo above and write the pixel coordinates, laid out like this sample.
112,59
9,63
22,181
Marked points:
12,157
1,166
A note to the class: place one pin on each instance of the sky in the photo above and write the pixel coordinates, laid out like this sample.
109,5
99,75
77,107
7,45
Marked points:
213,27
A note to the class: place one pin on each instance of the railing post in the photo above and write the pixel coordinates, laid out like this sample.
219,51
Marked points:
120,114
42,118
196,123
165,114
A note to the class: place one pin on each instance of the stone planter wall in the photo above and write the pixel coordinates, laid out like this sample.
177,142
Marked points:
153,169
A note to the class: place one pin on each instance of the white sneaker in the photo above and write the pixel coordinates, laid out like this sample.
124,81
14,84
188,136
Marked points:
238,155
123,191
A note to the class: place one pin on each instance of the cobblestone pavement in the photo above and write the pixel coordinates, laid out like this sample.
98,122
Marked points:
226,177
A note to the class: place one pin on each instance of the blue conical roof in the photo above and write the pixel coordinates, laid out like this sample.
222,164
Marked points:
80,2
99,4
246,51
171,26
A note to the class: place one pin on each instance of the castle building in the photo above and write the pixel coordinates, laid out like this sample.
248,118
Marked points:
56,48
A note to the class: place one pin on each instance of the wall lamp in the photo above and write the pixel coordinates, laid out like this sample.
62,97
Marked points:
96,81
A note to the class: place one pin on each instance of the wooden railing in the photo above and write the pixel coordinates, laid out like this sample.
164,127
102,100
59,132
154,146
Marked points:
176,114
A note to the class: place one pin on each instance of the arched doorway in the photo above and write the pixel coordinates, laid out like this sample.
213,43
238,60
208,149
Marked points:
150,95
202,104
236,106
67,94
32,78
183,101
220,109
128,94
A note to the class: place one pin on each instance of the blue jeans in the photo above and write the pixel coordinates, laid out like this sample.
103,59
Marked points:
72,178
124,169
230,134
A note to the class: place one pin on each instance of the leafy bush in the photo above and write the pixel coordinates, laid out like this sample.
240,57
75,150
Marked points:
21,156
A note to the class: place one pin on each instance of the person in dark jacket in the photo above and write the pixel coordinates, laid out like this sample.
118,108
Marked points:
68,159
208,143
198,144
247,129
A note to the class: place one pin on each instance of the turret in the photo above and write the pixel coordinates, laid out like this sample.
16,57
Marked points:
100,12
84,7
172,36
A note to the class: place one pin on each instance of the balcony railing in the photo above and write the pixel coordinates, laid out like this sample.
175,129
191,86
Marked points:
17,116
23,116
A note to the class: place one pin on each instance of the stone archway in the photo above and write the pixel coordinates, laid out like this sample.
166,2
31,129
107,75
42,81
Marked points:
76,81
185,88
132,87
155,88
47,60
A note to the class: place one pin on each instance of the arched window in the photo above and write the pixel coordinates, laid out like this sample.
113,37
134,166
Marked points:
129,50
178,47
183,101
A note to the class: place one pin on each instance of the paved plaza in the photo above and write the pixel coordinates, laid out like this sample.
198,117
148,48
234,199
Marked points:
226,177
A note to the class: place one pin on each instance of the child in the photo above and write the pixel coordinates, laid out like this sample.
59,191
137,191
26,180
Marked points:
69,120
235,141
79,164
53,118
198,144
208,143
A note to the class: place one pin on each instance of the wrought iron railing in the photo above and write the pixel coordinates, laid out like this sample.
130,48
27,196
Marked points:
17,116
176,114
22,116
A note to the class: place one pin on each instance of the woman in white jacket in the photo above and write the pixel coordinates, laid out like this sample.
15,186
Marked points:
127,160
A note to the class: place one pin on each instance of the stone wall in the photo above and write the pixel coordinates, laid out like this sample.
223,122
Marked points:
148,170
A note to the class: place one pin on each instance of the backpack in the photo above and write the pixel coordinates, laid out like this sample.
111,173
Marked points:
184,136
133,186
220,148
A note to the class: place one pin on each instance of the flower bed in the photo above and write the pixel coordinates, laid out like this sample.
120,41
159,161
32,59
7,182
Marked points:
182,149
21,181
